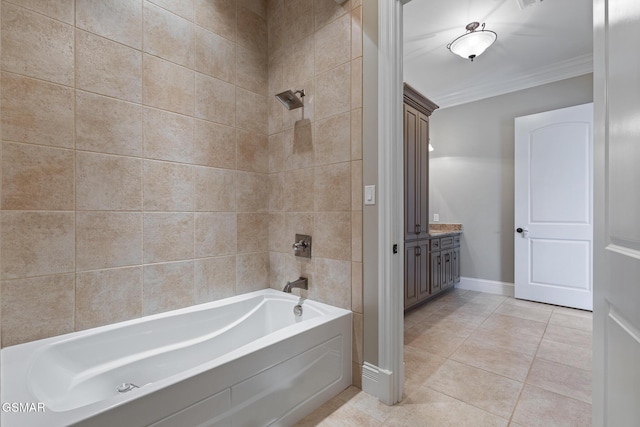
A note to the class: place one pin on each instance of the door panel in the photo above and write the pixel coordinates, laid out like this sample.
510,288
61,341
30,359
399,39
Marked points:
616,317
412,166
552,149
553,207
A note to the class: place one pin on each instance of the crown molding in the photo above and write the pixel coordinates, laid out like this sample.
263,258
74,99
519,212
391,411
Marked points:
574,67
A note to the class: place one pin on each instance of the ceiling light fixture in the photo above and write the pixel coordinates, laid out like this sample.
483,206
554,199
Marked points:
473,43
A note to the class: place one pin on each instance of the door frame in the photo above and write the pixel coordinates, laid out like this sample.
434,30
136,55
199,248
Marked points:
386,381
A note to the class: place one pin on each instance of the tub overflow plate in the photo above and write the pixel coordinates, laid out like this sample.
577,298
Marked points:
125,387
297,310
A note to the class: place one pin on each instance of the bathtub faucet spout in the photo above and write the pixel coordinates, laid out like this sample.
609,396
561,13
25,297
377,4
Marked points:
301,283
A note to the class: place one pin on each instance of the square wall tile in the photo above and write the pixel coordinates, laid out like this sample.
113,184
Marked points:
37,243
105,182
36,308
167,86
107,296
252,70
168,287
252,272
356,83
215,278
62,10
278,233
253,151
107,125
328,11
37,177
356,134
215,190
332,187
356,236
184,8
117,20
252,192
332,282
251,111
45,54
108,239
258,7
332,237
215,55
168,136
214,145
168,237
356,287
276,153
299,146
356,32
168,36
108,68
253,232
357,201
276,192
302,53
218,16
27,115
216,234
333,44
168,186
333,91
215,100
252,29
331,139
298,190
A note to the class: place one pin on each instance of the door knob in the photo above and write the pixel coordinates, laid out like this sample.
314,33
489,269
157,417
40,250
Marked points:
523,231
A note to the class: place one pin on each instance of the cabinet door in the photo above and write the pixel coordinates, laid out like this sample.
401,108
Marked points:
436,272
411,171
456,264
447,268
423,178
411,274
423,286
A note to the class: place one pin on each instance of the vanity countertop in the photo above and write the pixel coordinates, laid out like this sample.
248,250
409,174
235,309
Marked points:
441,229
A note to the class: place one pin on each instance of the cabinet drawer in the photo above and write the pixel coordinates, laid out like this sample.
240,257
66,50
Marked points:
435,244
456,240
446,242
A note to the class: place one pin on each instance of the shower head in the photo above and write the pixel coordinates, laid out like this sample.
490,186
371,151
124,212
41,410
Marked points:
289,99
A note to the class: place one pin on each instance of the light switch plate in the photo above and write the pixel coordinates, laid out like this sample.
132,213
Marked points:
369,194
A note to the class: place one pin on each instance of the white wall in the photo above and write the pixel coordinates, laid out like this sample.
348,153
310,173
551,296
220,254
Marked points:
471,170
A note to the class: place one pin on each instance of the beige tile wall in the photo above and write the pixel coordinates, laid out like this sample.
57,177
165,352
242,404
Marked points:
134,159
315,153
146,164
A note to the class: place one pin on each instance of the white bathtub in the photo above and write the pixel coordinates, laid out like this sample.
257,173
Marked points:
242,361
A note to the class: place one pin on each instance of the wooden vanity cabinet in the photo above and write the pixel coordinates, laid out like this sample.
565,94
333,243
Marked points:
416,112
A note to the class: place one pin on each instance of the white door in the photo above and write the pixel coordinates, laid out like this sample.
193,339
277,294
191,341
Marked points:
554,207
616,314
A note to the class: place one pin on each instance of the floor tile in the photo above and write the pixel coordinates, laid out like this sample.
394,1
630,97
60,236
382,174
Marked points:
494,359
524,312
485,390
514,326
571,321
569,336
541,408
527,344
419,366
431,408
442,344
566,354
528,304
561,379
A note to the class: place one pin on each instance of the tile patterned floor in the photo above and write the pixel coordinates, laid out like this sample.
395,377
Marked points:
475,359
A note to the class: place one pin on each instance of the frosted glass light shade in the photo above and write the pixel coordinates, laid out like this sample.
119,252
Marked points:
473,43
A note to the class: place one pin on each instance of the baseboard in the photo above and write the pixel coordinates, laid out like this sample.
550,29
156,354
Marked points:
486,286
377,382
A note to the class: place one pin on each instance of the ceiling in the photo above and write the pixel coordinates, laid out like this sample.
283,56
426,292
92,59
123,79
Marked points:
547,41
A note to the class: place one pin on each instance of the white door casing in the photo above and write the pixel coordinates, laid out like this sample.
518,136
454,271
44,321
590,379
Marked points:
616,315
554,207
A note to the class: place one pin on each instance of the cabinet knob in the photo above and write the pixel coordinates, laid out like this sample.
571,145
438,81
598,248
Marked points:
417,228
